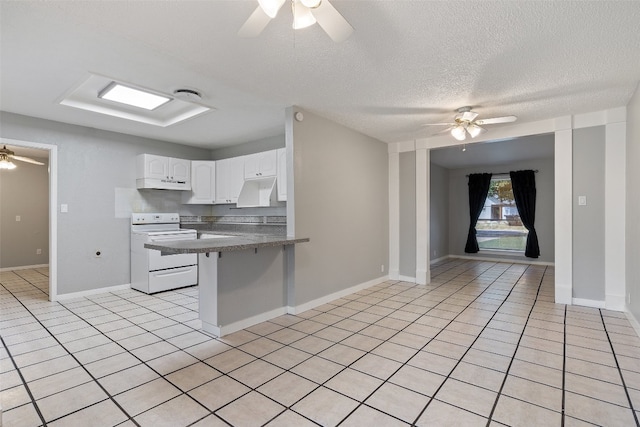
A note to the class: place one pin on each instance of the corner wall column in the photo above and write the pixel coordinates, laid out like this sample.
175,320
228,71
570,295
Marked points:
394,212
423,273
563,177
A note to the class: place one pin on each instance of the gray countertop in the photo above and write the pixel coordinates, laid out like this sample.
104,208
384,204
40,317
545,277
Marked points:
223,244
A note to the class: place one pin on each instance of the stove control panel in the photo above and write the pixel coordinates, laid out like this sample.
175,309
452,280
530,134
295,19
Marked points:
155,218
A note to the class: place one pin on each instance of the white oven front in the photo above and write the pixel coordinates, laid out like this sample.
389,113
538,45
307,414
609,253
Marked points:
163,262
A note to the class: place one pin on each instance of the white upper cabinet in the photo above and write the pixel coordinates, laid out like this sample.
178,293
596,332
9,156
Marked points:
203,183
281,180
261,165
229,179
179,169
163,172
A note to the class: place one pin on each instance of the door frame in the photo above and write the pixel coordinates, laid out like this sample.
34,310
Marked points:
53,203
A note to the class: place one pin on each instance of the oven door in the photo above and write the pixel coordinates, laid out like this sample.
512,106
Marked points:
161,262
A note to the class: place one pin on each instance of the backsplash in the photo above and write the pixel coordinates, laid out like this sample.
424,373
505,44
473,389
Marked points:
241,224
237,219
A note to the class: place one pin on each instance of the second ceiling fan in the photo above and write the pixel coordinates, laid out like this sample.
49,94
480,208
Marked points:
305,14
465,123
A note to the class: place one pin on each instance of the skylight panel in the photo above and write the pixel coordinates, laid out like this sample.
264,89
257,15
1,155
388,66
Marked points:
133,97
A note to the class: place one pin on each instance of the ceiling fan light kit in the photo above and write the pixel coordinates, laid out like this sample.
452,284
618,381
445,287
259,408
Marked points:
465,123
6,157
302,16
305,14
5,163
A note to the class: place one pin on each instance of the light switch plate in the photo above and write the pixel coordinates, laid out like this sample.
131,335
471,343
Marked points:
582,200
64,208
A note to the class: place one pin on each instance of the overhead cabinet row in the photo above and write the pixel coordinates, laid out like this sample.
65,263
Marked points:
254,180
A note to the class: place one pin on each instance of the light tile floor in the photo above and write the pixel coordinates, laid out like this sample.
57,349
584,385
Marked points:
483,344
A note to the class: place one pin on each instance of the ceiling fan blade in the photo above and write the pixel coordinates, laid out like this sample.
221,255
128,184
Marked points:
255,24
332,22
505,119
439,124
468,116
27,160
447,130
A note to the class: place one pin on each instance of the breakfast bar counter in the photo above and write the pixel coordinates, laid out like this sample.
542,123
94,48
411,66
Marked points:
242,280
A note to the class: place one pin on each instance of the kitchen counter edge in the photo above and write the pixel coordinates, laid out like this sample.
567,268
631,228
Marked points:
237,243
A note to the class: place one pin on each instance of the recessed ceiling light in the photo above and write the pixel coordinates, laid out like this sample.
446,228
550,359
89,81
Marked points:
134,97
182,106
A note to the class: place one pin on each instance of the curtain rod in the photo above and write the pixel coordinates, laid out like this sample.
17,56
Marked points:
504,173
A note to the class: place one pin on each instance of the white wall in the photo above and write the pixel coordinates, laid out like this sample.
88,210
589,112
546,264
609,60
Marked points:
24,192
340,182
96,179
633,205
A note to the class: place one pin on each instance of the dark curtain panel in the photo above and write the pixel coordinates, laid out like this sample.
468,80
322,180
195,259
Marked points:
478,189
524,191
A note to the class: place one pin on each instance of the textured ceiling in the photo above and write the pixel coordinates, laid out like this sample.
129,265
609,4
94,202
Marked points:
407,63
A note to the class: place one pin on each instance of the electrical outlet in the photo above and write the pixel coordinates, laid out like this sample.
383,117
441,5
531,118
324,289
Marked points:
38,251
18,219
629,298
381,268
435,253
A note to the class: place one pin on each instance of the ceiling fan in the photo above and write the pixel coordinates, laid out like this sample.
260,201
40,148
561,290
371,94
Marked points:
305,14
465,123
7,155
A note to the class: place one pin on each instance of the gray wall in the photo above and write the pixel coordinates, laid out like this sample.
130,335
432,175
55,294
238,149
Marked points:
439,211
96,178
342,204
24,192
633,204
588,221
408,214
258,146
459,207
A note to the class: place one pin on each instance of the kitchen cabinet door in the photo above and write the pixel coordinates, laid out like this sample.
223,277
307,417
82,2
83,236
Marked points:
179,169
229,179
151,166
261,165
203,183
281,180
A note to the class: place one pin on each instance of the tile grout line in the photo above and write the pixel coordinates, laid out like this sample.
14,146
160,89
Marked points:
24,383
506,374
326,327
615,357
80,364
506,297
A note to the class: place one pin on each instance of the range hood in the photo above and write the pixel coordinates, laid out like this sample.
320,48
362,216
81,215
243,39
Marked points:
162,184
258,192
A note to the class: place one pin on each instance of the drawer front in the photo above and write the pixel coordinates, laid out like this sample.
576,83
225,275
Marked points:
161,262
174,278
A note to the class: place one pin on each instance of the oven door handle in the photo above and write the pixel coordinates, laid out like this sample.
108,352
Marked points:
173,272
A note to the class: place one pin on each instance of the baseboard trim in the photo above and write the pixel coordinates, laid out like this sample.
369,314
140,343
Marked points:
407,279
336,295
615,302
505,260
632,319
23,267
588,302
442,258
82,294
221,331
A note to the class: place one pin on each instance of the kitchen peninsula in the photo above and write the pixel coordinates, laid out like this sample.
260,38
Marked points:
242,280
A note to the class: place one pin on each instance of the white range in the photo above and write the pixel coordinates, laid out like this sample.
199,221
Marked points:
152,272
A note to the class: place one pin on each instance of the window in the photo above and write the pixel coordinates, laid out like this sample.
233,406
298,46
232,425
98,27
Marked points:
499,226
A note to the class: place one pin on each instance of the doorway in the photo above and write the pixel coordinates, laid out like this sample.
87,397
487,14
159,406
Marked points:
51,152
